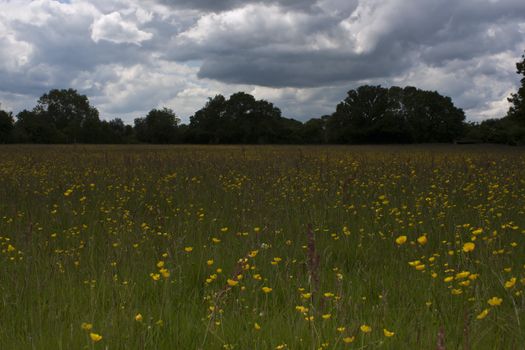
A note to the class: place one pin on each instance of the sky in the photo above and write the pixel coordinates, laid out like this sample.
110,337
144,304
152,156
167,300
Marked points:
302,55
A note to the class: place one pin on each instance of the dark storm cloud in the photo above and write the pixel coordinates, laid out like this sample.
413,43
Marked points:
298,71
379,39
223,5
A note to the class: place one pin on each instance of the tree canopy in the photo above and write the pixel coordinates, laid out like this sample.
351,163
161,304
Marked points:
517,100
241,119
368,114
6,126
159,126
373,114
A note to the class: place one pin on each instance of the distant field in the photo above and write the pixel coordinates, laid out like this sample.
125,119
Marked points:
194,247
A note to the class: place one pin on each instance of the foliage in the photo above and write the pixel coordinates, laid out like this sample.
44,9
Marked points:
70,113
372,114
517,109
6,126
159,126
241,119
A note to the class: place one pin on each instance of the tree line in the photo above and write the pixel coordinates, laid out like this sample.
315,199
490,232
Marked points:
368,114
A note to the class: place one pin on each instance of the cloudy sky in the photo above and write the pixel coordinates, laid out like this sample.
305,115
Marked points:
303,55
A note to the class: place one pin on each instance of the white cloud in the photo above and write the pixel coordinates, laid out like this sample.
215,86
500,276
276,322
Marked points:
14,53
129,56
112,27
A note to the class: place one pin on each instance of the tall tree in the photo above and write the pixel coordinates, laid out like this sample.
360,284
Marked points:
6,126
159,126
373,114
71,114
33,128
241,119
210,124
517,109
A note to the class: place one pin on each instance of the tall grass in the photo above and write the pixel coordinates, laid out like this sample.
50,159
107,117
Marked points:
170,247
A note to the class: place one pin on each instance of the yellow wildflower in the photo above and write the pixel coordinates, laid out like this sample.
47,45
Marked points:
348,340
387,333
483,314
95,337
401,240
365,328
266,290
495,301
232,283
86,326
468,247
510,283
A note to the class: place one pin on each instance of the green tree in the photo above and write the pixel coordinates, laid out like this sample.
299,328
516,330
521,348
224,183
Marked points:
241,119
33,128
517,109
314,131
210,124
6,126
160,126
71,114
431,117
373,114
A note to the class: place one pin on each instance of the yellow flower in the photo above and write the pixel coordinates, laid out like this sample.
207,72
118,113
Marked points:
420,267
401,240
510,283
365,328
301,309
209,262
483,314
326,316
495,301
165,272
422,240
155,276
215,240
341,329
348,340
232,283
160,264
477,232
266,290
138,317
468,247
462,274
448,279
95,337
387,333
256,326
188,249
86,326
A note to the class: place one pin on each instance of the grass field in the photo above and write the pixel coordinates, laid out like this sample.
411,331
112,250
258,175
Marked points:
145,247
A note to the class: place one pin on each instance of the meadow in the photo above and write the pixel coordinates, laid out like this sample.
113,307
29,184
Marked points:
262,247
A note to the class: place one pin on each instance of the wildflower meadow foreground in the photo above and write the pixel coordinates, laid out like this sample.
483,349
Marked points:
270,247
